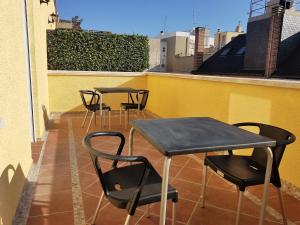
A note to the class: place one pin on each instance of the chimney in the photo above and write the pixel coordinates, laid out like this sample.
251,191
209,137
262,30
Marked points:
239,28
275,30
199,46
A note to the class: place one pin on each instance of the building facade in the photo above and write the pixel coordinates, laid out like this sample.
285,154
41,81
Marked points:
223,38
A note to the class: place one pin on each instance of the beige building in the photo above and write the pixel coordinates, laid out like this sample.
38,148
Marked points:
74,23
223,38
177,50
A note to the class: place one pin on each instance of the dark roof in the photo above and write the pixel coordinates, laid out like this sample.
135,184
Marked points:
290,68
228,60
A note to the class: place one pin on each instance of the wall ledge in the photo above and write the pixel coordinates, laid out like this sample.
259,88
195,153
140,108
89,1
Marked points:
284,83
94,73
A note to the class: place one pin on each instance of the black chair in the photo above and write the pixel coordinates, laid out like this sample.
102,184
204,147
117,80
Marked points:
92,105
139,105
127,186
244,171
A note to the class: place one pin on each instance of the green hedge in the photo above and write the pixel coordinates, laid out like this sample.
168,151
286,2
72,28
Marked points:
92,51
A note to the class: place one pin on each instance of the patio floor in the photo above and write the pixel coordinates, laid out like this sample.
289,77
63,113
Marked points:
67,189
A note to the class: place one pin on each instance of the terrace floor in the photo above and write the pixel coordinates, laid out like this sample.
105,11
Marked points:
67,189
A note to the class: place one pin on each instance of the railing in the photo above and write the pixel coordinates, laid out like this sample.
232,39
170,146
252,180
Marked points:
259,7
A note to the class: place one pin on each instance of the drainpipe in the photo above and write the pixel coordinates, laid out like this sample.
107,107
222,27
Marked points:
28,72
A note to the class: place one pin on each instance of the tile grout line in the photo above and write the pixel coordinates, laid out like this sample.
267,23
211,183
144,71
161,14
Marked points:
79,217
49,214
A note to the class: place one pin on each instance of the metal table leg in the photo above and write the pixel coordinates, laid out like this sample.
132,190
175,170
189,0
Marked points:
266,185
101,112
130,149
164,191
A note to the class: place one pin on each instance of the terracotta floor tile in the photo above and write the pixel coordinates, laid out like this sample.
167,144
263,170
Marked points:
62,159
54,219
183,209
87,179
173,172
53,170
192,175
217,181
93,189
114,216
154,220
51,203
180,160
292,206
89,204
194,164
49,185
212,216
258,190
187,190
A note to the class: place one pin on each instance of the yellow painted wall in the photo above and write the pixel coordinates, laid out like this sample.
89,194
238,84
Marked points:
231,102
38,16
15,146
15,153
64,95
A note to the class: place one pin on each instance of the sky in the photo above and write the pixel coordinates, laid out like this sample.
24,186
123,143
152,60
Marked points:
149,17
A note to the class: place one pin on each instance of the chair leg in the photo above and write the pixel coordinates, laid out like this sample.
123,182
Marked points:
95,118
127,220
282,206
174,213
144,116
97,209
147,211
109,119
120,115
104,115
85,116
126,118
237,219
204,176
90,122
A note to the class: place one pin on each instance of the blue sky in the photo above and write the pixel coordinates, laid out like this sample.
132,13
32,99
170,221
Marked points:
149,17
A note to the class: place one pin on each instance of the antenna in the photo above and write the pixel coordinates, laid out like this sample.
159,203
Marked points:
165,24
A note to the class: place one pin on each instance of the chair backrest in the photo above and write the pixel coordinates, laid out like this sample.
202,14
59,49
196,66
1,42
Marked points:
143,102
94,97
96,153
109,179
282,137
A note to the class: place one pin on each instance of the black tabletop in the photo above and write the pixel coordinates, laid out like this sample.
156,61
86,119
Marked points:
104,90
197,134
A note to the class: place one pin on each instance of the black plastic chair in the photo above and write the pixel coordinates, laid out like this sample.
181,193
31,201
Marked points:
92,106
244,171
140,105
129,186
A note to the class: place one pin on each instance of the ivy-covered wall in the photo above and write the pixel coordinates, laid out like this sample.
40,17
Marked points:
91,51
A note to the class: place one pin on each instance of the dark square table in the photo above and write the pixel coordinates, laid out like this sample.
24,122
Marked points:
181,136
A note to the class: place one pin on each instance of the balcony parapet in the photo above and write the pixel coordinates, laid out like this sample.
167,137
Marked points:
284,83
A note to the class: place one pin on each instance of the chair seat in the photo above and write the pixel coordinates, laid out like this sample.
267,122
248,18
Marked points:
127,106
240,170
95,107
122,182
